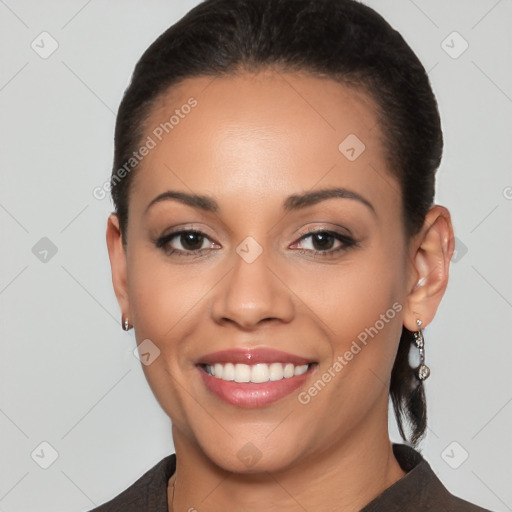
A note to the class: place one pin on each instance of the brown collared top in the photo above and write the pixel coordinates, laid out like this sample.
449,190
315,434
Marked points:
419,490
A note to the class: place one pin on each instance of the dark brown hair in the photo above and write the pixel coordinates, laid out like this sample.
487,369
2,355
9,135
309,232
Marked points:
342,40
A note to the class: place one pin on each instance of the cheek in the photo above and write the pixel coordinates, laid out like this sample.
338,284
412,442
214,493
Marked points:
167,301
359,304
162,300
161,294
351,296
157,302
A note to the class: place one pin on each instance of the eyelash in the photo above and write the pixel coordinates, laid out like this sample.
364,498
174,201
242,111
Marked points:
346,241
162,242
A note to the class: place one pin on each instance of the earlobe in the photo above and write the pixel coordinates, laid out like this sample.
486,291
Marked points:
431,254
117,256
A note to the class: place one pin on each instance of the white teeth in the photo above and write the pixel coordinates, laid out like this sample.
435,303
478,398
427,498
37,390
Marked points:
289,371
260,373
256,373
276,371
228,372
242,373
217,371
299,370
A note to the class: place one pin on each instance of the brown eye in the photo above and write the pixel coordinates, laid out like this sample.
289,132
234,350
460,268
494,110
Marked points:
324,243
191,240
185,243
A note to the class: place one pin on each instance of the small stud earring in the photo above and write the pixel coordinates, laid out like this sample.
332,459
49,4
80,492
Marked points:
125,325
423,371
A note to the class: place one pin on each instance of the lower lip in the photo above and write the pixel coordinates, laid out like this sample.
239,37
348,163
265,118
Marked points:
251,395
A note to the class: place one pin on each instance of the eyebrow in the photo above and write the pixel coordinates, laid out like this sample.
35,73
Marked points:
298,201
205,203
291,203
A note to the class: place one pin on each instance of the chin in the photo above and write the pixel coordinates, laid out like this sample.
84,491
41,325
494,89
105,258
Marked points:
250,459
247,452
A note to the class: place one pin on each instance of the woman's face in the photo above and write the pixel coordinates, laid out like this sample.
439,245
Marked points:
254,284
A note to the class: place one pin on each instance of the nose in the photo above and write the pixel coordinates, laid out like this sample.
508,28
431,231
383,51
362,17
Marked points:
252,293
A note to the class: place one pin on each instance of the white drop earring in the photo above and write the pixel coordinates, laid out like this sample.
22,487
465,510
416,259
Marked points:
423,371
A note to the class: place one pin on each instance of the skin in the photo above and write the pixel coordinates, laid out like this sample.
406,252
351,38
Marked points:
252,141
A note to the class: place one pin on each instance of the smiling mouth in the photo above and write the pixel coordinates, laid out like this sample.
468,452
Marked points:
256,373
254,385
252,378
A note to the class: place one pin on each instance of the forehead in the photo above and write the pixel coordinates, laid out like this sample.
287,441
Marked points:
263,134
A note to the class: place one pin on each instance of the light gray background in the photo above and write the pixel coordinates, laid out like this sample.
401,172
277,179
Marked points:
68,375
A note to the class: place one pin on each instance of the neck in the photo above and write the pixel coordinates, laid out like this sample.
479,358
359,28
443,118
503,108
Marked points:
346,477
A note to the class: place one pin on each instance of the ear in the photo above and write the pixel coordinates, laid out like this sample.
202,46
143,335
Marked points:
431,251
117,256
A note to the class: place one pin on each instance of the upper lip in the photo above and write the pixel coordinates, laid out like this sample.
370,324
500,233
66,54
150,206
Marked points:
252,356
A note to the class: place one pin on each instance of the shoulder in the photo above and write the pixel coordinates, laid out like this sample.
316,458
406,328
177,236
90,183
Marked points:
419,489
149,492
